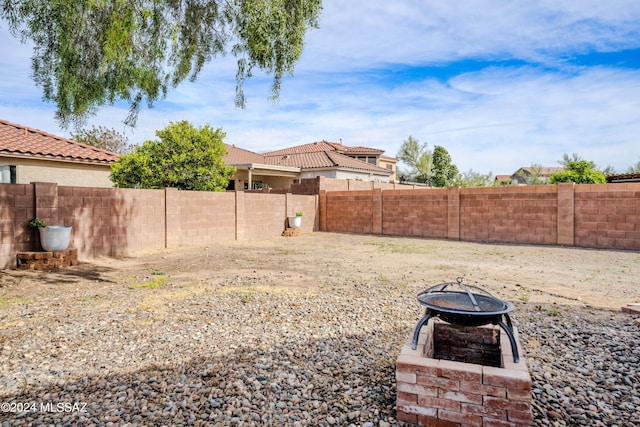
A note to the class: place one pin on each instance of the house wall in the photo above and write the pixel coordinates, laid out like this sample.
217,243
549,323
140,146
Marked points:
271,181
62,173
118,221
344,175
599,216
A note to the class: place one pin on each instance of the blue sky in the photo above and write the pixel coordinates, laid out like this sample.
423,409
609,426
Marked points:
499,84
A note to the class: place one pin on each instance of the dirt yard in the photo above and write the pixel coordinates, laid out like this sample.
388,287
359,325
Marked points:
532,274
300,331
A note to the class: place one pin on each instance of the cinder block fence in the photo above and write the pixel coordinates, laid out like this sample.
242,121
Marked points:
603,216
116,221
113,221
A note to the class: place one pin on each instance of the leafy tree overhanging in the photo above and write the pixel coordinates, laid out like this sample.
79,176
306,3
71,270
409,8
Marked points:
184,157
91,53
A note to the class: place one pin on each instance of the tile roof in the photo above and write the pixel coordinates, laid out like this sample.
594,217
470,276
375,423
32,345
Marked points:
322,159
624,177
316,155
323,145
541,170
23,141
314,147
240,156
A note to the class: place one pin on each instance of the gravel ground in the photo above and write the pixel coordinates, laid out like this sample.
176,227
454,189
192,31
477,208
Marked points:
301,331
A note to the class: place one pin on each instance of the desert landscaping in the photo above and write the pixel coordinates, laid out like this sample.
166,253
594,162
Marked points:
302,331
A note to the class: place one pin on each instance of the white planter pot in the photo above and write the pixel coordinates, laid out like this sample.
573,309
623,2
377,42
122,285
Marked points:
55,238
295,221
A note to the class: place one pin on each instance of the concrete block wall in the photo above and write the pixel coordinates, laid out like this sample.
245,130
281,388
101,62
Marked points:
16,210
607,215
262,215
109,221
202,217
525,214
415,213
349,211
117,221
603,216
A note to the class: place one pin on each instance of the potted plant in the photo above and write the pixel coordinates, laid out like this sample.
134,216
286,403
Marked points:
53,238
296,221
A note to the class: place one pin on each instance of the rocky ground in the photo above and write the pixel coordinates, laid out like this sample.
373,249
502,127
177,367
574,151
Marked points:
301,331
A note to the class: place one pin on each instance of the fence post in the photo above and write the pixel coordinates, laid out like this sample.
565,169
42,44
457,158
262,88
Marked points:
453,213
172,223
376,215
46,201
240,215
322,210
566,213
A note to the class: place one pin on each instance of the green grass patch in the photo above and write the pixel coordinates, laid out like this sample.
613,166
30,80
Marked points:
155,283
17,299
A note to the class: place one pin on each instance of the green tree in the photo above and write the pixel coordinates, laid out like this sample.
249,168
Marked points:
104,138
634,168
444,172
94,52
580,172
184,157
566,159
419,159
472,178
534,175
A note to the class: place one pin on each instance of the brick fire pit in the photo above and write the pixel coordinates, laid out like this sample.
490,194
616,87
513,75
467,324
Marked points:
462,376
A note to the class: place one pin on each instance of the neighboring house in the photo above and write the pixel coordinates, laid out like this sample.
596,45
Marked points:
502,180
31,155
335,160
281,168
534,174
625,177
253,172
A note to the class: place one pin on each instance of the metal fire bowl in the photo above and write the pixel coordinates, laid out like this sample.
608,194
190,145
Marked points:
457,307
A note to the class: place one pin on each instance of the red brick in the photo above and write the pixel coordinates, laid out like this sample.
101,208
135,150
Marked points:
505,404
460,397
484,411
406,417
416,409
516,394
435,422
417,389
522,417
520,380
440,403
407,398
457,417
486,422
483,389
459,371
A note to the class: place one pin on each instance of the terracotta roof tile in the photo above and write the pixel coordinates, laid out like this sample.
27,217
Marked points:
240,156
314,147
323,159
363,150
23,141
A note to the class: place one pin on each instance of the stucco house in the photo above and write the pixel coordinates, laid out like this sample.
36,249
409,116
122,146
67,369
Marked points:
535,174
281,168
31,155
253,171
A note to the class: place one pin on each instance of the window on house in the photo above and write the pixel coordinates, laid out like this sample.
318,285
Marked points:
7,174
371,160
390,167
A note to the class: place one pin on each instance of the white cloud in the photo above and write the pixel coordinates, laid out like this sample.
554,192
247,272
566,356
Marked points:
357,81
